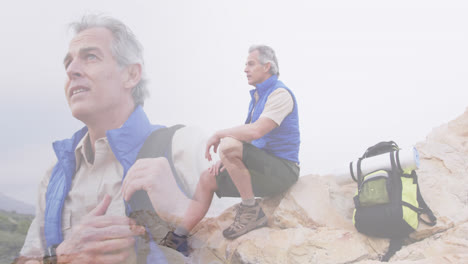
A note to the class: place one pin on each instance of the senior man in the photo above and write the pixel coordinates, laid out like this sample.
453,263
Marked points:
257,159
85,198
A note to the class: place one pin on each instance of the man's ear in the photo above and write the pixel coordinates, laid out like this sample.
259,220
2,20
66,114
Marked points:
133,75
266,67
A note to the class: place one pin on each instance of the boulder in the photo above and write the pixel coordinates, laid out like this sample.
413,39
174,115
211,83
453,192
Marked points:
312,221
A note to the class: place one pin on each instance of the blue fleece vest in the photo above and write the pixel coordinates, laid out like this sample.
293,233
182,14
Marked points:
284,140
125,143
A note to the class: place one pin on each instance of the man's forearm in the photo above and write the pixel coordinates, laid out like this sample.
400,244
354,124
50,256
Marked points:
249,132
244,133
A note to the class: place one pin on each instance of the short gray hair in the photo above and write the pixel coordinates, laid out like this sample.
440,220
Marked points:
266,55
126,49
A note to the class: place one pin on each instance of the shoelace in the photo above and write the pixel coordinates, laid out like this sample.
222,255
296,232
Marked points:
237,224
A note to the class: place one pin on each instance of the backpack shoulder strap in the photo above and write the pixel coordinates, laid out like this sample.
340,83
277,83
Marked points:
157,144
395,245
425,210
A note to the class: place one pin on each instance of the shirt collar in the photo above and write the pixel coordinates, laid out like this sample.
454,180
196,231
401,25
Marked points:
80,150
129,137
83,150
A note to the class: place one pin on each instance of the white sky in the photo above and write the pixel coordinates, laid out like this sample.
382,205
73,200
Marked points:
362,71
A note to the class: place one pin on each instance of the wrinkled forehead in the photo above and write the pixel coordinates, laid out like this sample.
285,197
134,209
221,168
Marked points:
97,37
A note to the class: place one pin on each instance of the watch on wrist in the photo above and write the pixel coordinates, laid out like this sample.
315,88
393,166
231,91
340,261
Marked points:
50,256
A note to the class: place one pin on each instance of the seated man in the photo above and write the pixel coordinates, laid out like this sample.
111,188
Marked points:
259,158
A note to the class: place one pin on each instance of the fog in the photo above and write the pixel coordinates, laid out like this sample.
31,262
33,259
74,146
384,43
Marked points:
362,72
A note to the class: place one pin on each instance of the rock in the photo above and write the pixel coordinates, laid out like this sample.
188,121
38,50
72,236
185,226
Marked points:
173,256
448,247
309,204
312,221
301,245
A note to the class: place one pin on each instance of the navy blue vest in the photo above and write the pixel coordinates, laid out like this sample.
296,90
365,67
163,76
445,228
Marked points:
125,143
284,140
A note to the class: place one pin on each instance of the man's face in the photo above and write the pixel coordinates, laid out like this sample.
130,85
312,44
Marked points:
256,72
96,83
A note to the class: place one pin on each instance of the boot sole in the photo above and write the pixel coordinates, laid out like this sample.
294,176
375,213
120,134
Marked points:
259,223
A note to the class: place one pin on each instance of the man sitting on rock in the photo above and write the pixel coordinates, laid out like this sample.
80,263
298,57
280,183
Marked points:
257,159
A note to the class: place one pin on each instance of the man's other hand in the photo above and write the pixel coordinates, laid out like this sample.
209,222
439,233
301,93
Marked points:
154,175
100,238
216,168
214,141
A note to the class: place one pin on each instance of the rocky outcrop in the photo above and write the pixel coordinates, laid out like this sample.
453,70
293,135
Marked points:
312,222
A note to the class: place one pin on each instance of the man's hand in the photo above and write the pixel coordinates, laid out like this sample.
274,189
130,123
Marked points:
214,141
100,238
150,175
216,168
154,175
243,133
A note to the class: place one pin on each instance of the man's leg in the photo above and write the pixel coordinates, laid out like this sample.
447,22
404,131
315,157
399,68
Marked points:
196,211
201,201
249,215
230,152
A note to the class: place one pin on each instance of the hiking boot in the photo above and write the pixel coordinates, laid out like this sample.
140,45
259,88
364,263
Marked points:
247,219
174,241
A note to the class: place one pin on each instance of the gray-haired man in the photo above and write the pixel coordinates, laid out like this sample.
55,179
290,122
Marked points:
257,159
81,213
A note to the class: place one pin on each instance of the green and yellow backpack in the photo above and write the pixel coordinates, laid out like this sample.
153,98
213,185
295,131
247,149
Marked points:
388,202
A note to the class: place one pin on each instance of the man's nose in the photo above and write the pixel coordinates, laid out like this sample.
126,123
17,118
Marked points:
74,69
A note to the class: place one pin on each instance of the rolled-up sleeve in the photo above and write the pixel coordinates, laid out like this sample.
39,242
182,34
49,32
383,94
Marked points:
278,105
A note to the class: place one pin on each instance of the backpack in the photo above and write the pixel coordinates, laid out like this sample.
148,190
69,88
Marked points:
388,202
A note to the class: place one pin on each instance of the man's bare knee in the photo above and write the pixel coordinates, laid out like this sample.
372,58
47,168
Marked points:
230,148
208,181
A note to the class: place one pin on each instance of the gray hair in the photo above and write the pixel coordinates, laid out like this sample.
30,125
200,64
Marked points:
266,55
126,49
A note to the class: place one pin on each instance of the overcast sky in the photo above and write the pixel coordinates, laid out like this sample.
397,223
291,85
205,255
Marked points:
362,71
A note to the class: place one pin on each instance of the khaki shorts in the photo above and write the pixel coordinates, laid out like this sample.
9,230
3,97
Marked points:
270,175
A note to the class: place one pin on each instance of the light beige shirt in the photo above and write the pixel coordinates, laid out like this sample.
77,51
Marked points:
93,181
279,104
